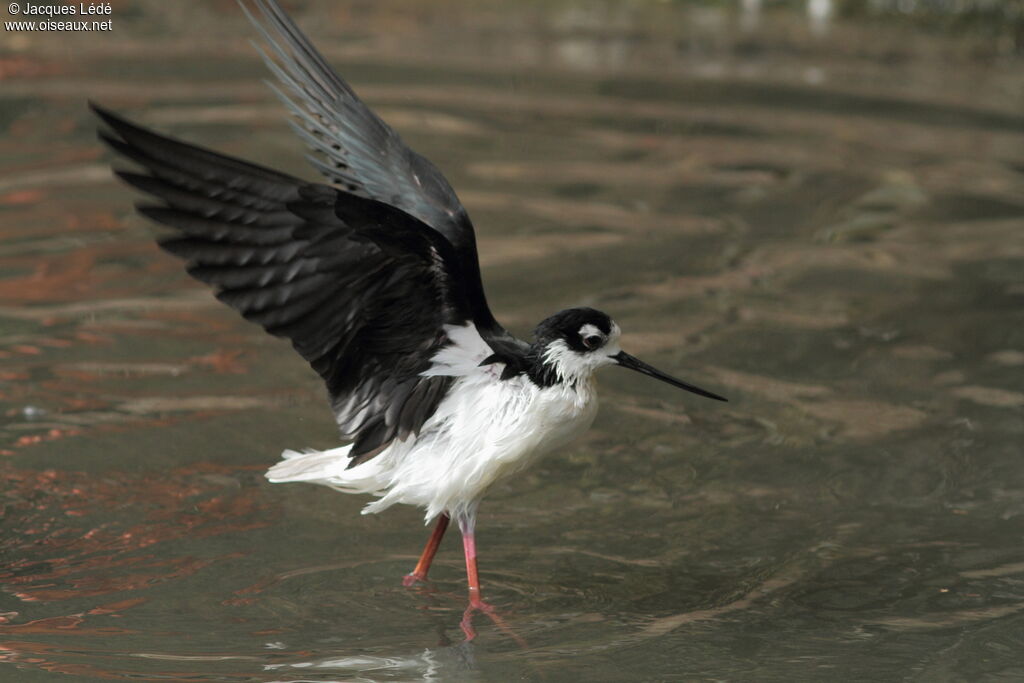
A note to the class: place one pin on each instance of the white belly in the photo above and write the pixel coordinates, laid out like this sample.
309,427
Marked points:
483,431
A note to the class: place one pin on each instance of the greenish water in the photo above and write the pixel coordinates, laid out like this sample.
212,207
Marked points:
820,216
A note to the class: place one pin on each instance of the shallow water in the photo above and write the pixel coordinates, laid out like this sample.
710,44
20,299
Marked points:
818,215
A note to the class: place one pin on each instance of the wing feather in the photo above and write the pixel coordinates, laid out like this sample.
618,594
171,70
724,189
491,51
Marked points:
363,290
358,152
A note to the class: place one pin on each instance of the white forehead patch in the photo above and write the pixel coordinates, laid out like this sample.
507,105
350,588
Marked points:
589,330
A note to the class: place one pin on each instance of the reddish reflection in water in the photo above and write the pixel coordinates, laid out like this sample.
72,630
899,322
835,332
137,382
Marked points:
38,656
72,537
24,67
66,544
74,276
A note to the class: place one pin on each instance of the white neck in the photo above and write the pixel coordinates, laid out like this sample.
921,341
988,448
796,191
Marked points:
574,367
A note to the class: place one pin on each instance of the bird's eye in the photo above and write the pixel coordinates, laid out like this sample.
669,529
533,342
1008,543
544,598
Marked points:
592,341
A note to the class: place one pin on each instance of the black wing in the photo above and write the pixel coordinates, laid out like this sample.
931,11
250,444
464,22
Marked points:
361,154
362,290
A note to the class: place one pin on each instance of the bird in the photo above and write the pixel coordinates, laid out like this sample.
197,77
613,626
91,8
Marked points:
374,278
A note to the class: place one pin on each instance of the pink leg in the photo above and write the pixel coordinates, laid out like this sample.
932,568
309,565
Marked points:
467,525
423,566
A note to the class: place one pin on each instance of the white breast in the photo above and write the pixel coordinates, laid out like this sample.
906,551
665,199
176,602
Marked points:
486,429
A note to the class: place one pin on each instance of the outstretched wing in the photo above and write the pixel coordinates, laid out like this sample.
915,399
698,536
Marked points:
357,151
363,290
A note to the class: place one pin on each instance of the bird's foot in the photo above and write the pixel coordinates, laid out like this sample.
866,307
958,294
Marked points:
475,605
412,578
478,605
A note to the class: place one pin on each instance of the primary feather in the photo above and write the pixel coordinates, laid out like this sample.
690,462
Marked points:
362,289
358,152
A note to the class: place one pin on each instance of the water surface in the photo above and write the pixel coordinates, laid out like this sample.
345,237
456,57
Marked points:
817,214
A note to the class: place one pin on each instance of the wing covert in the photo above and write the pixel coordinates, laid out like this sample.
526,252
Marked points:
361,289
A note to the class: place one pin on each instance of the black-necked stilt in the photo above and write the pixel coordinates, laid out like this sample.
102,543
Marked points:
375,280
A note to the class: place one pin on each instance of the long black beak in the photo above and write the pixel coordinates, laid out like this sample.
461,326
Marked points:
634,363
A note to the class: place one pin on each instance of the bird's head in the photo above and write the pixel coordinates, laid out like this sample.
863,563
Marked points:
573,343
